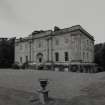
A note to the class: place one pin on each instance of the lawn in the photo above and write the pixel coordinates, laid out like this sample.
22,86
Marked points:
63,85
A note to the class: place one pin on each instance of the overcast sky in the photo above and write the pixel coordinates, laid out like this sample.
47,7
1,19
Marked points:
21,17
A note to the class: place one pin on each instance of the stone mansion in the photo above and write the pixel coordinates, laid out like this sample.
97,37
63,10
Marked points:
70,46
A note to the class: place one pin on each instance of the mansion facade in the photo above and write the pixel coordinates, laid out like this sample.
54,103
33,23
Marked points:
71,45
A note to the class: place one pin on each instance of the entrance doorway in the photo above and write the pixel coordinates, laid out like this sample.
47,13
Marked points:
39,57
40,60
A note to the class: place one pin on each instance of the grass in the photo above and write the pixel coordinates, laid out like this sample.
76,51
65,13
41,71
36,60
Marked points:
63,85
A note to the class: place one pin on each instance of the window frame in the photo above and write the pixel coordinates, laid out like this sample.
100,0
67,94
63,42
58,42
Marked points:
66,55
56,56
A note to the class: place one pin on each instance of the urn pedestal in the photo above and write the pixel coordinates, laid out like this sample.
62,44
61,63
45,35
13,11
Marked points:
43,92
43,96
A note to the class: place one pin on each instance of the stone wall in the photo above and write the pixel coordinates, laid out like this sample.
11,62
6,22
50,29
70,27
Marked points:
43,46
21,51
87,49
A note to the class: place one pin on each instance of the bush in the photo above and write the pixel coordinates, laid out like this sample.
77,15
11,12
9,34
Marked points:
74,68
41,67
15,66
100,69
24,65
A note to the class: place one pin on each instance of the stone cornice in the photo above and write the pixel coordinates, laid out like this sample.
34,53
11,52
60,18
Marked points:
47,33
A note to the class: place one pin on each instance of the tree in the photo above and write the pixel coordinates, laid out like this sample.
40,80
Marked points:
6,52
100,54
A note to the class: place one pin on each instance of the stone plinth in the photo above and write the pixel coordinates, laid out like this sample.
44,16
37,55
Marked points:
43,96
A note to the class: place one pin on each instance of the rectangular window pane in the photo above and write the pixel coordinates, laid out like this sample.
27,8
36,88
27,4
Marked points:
66,56
20,59
56,56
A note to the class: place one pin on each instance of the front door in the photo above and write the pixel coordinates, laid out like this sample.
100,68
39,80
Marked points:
40,60
40,57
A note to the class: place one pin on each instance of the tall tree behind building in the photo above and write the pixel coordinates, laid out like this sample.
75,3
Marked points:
6,52
100,54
